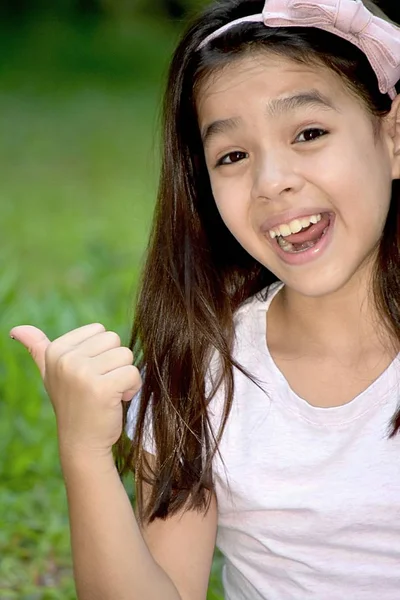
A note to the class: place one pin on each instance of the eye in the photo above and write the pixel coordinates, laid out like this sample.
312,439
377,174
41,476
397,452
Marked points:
231,158
309,135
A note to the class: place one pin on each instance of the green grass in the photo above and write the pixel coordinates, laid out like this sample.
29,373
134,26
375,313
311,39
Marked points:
78,122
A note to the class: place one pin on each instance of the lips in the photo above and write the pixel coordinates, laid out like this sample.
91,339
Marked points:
290,215
297,259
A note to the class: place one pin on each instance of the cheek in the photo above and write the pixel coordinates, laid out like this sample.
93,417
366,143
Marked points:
231,205
366,201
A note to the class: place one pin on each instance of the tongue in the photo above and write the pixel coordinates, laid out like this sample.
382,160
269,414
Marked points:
311,234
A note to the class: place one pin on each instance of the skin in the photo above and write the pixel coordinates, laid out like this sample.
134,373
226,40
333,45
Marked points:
268,161
88,373
348,171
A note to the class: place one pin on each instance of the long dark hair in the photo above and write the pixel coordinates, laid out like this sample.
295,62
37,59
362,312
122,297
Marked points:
196,274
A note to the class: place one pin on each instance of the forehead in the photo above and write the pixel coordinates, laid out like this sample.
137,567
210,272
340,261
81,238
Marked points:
265,77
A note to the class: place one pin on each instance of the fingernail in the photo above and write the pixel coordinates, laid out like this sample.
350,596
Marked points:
12,337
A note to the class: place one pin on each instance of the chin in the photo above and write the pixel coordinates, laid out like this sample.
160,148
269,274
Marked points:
320,284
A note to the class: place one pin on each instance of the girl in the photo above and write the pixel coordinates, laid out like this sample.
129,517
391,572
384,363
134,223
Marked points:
267,328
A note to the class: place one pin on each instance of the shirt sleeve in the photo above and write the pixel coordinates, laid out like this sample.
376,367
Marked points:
131,423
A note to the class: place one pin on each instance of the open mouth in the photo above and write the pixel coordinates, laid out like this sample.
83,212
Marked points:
306,238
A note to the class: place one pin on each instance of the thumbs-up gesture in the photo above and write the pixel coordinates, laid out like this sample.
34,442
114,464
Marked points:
87,374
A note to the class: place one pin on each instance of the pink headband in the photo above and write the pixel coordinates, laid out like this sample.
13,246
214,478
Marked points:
349,19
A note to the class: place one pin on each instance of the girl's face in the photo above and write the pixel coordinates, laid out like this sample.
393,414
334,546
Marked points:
288,148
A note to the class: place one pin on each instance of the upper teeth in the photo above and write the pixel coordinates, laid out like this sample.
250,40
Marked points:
294,226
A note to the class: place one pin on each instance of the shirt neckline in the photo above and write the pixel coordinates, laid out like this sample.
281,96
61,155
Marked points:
376,393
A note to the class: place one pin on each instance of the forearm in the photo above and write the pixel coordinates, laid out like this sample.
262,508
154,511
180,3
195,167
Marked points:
111,559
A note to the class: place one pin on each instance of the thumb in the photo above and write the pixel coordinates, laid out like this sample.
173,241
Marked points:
35,341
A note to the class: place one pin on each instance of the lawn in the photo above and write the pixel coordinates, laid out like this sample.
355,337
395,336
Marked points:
79,159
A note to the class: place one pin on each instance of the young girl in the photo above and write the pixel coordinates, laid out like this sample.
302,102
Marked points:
267,329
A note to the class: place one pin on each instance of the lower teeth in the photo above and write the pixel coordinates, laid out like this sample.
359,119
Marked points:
289,247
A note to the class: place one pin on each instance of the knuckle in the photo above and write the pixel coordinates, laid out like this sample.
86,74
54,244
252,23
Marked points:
114,338
51,353
66,363
127,355
91,329
135,377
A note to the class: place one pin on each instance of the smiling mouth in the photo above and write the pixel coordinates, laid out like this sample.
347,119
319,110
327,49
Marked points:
307,238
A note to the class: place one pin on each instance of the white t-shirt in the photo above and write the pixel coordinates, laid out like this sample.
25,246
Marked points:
308,498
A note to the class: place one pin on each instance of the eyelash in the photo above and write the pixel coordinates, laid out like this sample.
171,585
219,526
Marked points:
319,129
242,155
221,162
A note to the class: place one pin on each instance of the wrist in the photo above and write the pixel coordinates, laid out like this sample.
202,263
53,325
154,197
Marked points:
86,460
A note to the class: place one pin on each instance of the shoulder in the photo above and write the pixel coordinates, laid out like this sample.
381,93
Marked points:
250,354
261,300
247,320
246,317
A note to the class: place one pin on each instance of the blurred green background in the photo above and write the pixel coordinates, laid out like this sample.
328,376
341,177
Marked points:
80,91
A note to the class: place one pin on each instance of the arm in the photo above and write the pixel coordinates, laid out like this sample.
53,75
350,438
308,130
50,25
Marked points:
87,374
183,546
113,559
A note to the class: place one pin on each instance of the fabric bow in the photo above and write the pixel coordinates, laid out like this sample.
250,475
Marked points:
349,19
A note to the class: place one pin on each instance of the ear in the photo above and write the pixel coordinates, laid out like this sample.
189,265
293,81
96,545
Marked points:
393,129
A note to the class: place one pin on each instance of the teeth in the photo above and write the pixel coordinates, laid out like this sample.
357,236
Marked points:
284,230
288,247
285,245
294,226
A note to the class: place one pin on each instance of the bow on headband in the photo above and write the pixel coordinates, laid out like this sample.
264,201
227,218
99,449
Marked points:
349,19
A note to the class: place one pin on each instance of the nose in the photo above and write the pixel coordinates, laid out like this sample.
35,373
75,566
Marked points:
275,176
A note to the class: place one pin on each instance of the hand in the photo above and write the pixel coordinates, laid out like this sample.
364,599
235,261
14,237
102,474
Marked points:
87,374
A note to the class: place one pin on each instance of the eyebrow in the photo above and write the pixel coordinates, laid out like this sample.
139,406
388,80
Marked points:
312,98
219,126
275,108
